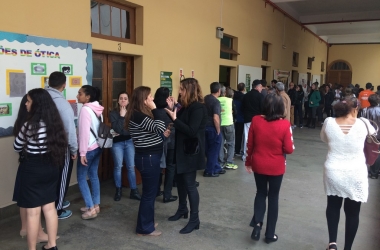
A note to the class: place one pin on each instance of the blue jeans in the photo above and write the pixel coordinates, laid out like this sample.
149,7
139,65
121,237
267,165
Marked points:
90,198
124,150
298,113
213,143
149,167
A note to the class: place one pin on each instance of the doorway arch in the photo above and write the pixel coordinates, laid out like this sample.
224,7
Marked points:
340,72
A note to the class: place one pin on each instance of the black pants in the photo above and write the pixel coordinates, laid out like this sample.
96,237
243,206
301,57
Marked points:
186,188
328,110
306,107
239,130
169,173
298,113
320,110
262,182
64,182
351,209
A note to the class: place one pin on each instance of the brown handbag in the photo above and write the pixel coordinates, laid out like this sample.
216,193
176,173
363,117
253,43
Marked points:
371,145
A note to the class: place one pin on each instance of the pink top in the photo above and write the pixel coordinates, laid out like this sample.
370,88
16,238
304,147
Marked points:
267,144
84,125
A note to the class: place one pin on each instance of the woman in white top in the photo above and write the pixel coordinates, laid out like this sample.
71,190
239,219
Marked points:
345,169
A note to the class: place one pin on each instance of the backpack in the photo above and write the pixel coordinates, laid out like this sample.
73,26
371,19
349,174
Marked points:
104,138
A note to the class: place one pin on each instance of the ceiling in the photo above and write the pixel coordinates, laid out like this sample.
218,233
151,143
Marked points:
337,21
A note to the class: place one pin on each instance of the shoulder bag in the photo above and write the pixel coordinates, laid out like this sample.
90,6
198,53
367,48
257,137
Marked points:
371,145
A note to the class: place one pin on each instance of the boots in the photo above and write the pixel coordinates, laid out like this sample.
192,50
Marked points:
308,122
193,224
117,194
181,211
135,194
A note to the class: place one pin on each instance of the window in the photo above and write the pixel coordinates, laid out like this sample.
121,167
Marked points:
112,21
265,51
295,59
227,45
340,66
322,66
310,62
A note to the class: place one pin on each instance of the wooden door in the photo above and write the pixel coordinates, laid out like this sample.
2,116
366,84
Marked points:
112,74
343,77
295,77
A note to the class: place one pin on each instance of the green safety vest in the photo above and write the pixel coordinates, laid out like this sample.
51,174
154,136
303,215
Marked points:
226,112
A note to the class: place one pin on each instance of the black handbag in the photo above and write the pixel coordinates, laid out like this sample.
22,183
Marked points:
191,146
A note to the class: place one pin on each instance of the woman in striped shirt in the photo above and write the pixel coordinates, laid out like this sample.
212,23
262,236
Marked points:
147,134
43,141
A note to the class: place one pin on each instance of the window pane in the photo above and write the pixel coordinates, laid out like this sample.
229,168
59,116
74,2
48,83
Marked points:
105,20
117,87
227,41
115,14
119,70
94,17
125,24
98,84
97,68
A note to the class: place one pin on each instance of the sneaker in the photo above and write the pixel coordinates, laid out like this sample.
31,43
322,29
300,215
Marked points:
84,209
65,214
66,204
89,214
301,126
231,166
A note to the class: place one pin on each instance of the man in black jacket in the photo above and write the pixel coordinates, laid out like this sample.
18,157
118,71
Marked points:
252,105
292,93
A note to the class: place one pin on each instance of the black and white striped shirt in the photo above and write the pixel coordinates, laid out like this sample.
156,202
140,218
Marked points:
146,133
28,142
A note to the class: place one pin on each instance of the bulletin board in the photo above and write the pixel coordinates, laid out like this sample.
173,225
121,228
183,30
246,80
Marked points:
247,74
26,63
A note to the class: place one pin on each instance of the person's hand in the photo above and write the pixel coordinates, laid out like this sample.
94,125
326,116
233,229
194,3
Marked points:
248,169
123,111
150,103
171,102
73,157
83,160
172,114
167,133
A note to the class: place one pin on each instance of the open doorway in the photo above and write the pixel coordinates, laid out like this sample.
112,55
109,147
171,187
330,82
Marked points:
225,76
295,76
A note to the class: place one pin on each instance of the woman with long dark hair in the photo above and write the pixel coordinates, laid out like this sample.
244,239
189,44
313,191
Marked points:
148,134
89,151
19,123
266,159
345,171
43,140
298,106
123,148
190,124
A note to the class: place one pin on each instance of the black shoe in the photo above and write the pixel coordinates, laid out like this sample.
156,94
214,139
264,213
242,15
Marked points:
192,225
52,248
178,215
252,224
222,171
210,175
118,193
134,195
196,184
160,193
256,233
270,240
170,199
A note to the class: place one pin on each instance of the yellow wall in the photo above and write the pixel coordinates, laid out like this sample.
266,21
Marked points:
364,60
171,34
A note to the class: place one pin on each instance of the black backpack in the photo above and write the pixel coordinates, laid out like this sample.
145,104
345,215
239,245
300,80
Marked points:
104,138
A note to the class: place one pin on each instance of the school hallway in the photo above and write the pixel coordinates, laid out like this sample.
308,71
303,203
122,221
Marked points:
226,209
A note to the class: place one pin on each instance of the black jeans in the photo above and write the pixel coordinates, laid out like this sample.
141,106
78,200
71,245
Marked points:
306,106
186,188
298,113
169,173
351,209
262,182
239,130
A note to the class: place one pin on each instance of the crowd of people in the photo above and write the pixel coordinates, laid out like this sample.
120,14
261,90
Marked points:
174,138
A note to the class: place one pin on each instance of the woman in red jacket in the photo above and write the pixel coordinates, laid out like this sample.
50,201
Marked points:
269,139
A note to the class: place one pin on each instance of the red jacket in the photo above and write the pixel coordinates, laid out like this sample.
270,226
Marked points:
267,144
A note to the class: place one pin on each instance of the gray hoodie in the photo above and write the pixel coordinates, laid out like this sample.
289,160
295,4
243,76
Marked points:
67,116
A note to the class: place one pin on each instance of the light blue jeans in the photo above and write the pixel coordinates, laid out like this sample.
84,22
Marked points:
90,198
124,150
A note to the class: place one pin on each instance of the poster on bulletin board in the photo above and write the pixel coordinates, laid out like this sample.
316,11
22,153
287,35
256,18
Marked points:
166,80
26,63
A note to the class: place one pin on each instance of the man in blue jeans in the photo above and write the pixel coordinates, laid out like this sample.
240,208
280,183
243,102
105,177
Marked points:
213,136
